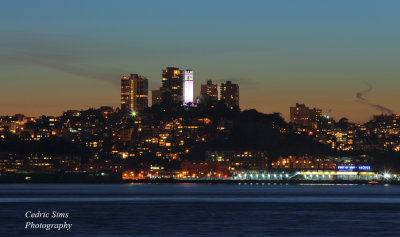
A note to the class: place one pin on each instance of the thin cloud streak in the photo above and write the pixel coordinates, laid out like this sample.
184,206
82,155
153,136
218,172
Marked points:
67,64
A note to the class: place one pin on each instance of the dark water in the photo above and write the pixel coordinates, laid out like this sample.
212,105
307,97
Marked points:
203,210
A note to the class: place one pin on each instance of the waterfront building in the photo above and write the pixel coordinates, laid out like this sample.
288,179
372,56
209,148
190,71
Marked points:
303,162
15,161
306,175
203,169
239,159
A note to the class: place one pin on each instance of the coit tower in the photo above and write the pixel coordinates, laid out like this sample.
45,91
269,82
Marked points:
188,87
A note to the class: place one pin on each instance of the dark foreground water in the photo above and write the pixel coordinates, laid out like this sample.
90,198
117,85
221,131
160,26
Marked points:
202,210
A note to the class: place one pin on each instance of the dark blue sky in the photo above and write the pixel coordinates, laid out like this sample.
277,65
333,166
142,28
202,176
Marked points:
58,55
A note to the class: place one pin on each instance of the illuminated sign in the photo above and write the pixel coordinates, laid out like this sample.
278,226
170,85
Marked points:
364,167
353,167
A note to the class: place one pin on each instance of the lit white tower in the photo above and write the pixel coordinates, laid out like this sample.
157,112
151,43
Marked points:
188,88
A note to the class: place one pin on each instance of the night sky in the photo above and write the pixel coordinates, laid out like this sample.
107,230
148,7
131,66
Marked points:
340,56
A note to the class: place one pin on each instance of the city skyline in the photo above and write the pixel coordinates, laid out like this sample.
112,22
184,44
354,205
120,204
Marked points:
211,118
58,57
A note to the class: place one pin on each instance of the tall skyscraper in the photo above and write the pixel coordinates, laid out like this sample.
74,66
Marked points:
134,92
230,94
188,88
172,81
209,90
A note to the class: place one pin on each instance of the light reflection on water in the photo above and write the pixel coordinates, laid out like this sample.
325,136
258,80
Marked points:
208,210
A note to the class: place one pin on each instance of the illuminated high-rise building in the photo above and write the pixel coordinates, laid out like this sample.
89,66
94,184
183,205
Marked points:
209,90
172,81
188,88
315,117
230,94
300,115
134,92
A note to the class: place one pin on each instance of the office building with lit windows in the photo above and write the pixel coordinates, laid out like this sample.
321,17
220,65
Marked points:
237,160
300,115
230,94
172,81
134,92
209,90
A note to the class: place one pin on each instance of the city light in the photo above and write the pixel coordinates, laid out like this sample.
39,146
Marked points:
387,175
173,139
